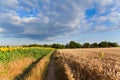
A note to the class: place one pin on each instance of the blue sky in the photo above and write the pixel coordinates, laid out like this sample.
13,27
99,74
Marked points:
59,21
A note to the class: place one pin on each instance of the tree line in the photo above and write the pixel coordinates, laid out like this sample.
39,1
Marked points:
73,44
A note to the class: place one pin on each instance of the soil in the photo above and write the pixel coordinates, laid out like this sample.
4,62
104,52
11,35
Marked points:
51,71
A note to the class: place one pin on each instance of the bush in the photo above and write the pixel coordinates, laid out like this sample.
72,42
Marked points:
86,45
94,45
58,46
73,44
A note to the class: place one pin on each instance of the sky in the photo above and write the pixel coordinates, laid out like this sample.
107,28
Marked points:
59,21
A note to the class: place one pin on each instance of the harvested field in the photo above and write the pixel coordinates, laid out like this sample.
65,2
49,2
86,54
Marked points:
87,64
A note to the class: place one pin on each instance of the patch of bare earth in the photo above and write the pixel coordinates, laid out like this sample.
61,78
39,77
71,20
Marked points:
50,71
56,69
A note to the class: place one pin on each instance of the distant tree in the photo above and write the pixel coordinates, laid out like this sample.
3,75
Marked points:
115,45
58,46
47,45
34,45
86,45
111,44
24,45
108,44
103,44
94,45
73,44
63,46
67,46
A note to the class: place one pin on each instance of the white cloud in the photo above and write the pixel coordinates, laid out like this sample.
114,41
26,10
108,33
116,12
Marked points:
2,30
12,4
104,3
101,28
50,39
114,17
29,19
103,6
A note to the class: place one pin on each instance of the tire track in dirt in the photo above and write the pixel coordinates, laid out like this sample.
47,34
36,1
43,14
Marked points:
51,71
56,69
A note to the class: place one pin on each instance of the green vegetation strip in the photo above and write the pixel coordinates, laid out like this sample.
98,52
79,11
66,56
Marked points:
36,53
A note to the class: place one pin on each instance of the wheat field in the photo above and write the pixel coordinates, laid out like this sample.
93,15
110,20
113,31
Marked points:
87,64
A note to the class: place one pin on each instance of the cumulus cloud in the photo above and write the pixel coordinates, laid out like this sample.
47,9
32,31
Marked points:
46,19
8,4
2,30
